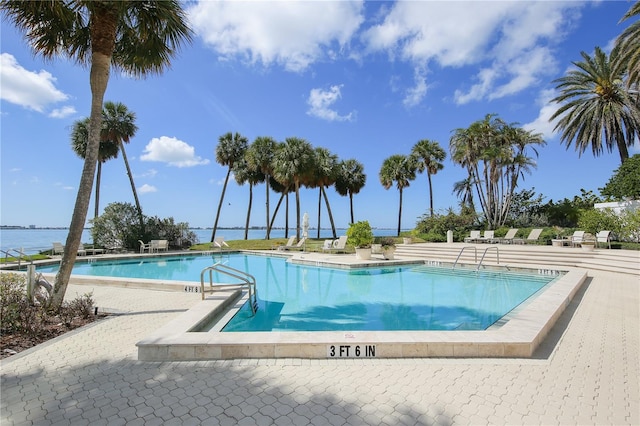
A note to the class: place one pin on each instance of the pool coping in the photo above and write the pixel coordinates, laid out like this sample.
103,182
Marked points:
518,337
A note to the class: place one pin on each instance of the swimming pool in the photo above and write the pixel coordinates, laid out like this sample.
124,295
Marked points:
294,297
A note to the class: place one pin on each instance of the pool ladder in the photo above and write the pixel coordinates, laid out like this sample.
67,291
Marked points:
248,282
475,252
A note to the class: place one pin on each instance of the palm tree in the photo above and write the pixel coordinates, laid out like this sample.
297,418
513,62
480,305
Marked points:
243,173
107,151
629,44
350,180
324,175
429,156
292,163
260,154
230,149
400,169
138,37
118,126
596,104
464,190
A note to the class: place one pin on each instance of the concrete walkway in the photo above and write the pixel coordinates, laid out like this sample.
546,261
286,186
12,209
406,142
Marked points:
586,372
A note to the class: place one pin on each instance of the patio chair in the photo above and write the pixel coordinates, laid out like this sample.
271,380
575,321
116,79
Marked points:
90,249
508,238
159,245
144,246
488,237
577,238
220,243
338,245
473,237
603,237
290,243
531,238
327,245
58,248
298,246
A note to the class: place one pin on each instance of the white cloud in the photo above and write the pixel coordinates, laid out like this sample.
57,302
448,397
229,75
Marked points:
173,152
419,91
151,173
320,102
542,124
27,88
512,42
291,34
63,112
145,189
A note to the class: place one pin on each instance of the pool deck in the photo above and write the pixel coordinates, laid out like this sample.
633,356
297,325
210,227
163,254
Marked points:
585,372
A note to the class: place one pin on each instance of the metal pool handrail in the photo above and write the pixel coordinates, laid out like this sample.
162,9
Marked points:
248,280
475,251
485,253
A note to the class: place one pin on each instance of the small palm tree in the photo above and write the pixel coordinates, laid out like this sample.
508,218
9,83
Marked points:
118,126
400,169
107,151
260,154
597,110
243,173
350,180
429,156
230,149
139,37
292,163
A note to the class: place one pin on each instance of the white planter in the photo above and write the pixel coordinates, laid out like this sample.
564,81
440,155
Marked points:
587,247
388,252
363,253
406,240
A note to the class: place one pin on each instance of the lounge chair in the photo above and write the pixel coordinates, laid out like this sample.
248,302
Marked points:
338,245
577,238
58,248
327,245
144,246
531,238
158,245
90,249
473,237
299,246
603,237
220,243
508,238
488,237
289,244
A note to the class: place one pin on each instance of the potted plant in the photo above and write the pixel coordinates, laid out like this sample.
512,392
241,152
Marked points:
388,247
360,236
588,242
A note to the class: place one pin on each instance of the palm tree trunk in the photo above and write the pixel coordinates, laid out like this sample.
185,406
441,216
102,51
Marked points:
98,79
246,225
133,187
400,213
319,207
96,213
224,189
286,218
275,213
267,202
326,201
297,210
351,205
430,193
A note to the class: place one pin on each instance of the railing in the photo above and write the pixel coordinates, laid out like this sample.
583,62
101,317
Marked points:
248,281
20,253
485,253
475,251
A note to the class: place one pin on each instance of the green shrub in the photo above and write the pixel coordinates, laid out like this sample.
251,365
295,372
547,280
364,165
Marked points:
359,234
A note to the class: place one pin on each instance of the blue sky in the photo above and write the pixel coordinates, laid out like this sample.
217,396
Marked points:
365,80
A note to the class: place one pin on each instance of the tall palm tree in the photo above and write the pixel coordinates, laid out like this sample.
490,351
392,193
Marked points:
118,125
260,154
324,175
629,44
139,37
400,169
293,162
230,149
243,173
597,110
107,151
429,156
350,180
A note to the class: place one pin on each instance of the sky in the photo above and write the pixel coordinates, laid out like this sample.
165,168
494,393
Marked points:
365,80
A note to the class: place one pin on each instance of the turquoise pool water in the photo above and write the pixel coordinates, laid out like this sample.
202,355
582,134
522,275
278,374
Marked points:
295,297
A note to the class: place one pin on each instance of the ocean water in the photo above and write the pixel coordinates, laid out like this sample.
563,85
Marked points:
33,241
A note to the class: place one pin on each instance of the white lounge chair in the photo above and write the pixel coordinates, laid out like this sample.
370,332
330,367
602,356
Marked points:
473,237
338,245
603,237
58,248
158,245
220,243
298,246
508,238
577,238
290,243
144,246
531,238
90,249
488,237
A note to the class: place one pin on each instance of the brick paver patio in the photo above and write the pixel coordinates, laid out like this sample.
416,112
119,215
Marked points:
586,372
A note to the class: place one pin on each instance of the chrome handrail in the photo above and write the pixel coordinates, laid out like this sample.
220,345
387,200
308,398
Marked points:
484,254
475,251
248,280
